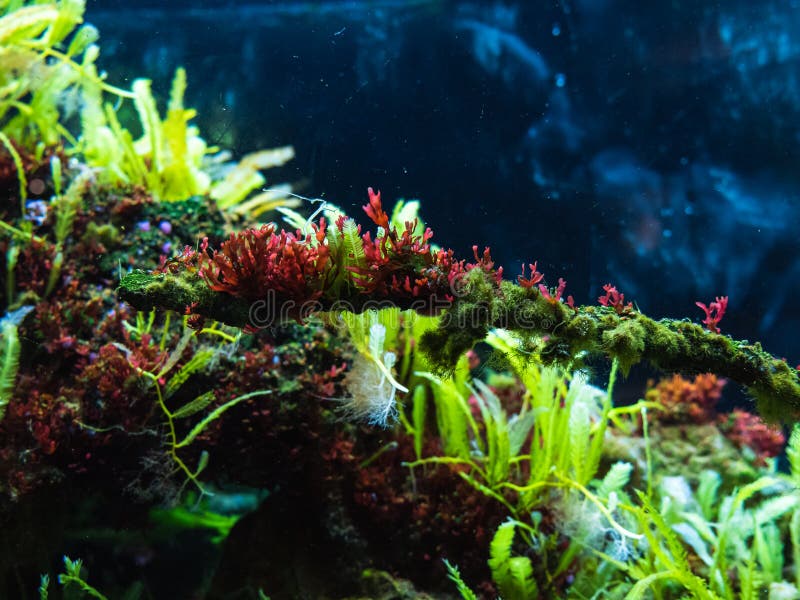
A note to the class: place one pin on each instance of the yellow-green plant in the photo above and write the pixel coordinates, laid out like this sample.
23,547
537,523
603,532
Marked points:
49,83
10,348
512,574
45,63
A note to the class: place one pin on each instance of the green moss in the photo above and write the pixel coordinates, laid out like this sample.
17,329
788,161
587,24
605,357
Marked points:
175,292
582,332
625,342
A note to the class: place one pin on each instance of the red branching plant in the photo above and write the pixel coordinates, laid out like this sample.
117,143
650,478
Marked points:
374,209
615,300
531,281
402,265
254,262
554,295
259,264
714,312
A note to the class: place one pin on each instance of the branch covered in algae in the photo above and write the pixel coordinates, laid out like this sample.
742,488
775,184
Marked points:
561,334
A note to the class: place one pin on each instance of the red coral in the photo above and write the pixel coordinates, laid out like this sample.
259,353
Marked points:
714,312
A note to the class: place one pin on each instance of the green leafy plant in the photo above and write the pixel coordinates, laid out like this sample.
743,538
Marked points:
512,574
72,578
455,576
9,344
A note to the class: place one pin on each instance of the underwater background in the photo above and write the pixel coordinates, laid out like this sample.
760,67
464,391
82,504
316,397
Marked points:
488,432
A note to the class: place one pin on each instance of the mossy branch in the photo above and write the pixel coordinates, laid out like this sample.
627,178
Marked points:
558,334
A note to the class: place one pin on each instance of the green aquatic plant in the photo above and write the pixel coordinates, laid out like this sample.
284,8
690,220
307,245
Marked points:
191,516
73,579
454,575
10,347
309,271
45,64
512,574
172,417
49,83
165,378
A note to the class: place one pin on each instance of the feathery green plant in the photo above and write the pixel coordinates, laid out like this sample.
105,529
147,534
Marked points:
9,343
166,381
72,578
454,575
512,574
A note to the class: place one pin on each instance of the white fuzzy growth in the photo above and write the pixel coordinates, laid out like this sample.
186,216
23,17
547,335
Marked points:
377,337
371,384
372,395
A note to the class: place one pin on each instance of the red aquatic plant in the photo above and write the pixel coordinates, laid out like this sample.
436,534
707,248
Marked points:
398,264
714,312
535,278
255,262
615,300
553,295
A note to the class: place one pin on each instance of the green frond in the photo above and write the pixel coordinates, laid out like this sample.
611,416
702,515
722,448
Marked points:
793,453
453,418
194,406
500,547
72,578
419,414
455,576
70,15
579,434
9,342
198,362
44,587
214,415
27,22
615,480
706,494
513,575
768,548
794,536
498,447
